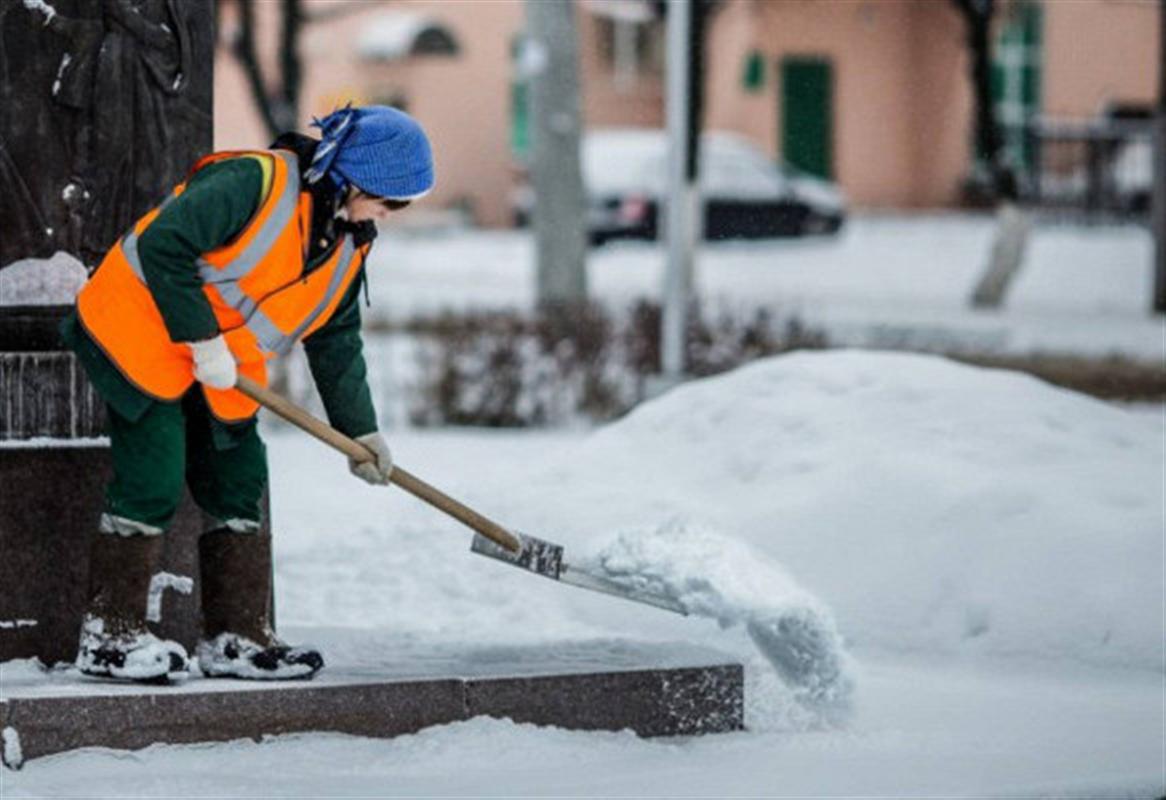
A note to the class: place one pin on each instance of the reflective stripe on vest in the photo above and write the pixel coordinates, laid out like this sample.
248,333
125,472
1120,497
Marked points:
270,337
129,243
257,249
226,279
347,251
261,296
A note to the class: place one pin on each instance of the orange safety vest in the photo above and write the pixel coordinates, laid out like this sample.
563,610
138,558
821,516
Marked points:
263,301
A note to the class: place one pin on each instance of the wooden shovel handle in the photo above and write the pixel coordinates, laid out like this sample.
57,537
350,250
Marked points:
358,452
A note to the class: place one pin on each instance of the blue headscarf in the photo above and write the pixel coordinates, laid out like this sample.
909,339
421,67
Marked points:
378,149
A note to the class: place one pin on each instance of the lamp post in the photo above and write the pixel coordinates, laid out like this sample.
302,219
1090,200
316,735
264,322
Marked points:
683,202
1158,206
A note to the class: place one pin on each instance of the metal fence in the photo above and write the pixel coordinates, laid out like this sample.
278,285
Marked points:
1095,170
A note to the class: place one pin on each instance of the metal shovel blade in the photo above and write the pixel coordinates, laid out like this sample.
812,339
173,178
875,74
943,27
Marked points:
534,555
546,559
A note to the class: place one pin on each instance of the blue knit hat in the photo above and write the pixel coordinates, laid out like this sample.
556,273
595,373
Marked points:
378,149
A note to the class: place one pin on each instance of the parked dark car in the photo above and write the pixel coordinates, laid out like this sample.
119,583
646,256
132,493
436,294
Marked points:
744,194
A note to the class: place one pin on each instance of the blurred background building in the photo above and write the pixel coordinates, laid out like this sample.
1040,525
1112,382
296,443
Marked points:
873,94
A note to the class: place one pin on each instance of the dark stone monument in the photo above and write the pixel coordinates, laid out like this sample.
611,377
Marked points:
104,106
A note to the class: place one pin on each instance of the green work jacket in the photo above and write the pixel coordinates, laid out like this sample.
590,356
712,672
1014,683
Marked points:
219,201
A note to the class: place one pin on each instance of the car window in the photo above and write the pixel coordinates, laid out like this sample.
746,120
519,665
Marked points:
622,164
636,161
733,175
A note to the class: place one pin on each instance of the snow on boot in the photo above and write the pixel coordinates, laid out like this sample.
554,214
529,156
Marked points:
238,642
133,656
115,641
229,655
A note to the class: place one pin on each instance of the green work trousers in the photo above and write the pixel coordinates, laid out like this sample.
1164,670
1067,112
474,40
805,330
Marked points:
176,444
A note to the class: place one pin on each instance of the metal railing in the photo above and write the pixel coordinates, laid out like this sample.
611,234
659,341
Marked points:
1098,169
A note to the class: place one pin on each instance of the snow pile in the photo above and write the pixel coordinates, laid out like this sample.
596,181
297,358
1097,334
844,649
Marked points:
939,511
42,282
931,505
713,576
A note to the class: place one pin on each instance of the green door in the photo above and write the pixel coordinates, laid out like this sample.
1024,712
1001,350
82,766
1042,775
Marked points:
807,115
519,102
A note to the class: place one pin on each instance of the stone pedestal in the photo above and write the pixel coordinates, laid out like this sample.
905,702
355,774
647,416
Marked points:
53,470
652,689
43,390
49,508
104,106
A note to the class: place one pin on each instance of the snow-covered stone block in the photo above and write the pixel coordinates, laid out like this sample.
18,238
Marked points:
651,689
42,281
52,496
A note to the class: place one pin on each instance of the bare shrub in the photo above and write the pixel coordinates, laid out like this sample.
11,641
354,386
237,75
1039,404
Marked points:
506,369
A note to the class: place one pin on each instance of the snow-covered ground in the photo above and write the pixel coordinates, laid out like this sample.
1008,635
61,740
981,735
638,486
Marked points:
900,282
990,548
928,730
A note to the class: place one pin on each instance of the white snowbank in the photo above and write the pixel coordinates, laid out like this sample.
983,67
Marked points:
942,512
930,505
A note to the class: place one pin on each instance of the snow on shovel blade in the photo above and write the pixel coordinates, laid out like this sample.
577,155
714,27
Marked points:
546,559
536,555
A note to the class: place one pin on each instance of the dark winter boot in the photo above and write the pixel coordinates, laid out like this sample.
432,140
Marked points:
235,572
115,642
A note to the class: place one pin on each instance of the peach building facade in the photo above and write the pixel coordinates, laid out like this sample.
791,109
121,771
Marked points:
897,107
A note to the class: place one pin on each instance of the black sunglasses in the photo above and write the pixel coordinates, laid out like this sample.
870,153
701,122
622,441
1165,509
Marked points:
391,205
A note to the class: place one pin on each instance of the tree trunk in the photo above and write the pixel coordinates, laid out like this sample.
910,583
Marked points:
560,207
287,109
278,106
987,132
1158,206
977,16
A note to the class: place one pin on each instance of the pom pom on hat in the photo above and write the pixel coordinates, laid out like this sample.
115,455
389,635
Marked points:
378,149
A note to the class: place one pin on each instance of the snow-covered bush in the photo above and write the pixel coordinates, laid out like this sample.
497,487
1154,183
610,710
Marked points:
508,369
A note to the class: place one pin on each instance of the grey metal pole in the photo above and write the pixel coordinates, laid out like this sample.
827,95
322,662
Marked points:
682,198
560,210
1158,205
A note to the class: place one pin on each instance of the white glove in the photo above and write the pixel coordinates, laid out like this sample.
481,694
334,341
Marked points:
213,363
374,472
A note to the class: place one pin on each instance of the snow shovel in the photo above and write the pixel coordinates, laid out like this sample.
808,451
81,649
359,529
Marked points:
491,539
